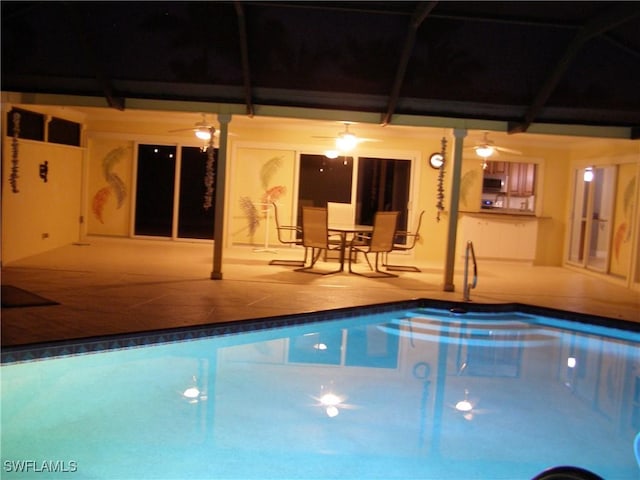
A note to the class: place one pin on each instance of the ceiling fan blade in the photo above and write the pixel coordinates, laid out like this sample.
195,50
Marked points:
358,139
216,132
507,150
183,130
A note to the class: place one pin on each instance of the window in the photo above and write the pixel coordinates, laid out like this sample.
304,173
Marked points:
31,124
64,132
509,186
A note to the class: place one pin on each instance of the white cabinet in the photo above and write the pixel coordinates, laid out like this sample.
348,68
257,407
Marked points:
504,237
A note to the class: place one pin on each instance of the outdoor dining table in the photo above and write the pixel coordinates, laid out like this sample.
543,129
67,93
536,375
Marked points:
344,230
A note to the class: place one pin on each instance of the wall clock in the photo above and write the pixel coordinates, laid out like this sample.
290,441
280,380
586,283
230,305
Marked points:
436,160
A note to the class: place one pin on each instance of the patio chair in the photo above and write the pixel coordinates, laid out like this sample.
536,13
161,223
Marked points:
380,242
410,240
288,235
315,235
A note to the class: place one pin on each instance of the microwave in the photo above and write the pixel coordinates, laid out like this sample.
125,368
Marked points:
494,185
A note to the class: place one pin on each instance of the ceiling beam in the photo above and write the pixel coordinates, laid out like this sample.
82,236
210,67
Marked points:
597,26
422,10
244,52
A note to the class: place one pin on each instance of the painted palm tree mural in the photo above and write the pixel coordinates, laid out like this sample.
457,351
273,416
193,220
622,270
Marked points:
115,185
466,185
255,212
623,229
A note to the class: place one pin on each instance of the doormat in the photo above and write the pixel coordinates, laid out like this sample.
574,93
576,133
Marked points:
17,297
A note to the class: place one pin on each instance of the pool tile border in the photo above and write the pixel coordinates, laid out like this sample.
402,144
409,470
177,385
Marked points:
83,346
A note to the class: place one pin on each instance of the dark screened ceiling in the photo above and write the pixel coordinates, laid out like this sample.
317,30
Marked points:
519,62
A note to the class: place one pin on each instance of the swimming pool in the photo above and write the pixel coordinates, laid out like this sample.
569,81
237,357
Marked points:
405,390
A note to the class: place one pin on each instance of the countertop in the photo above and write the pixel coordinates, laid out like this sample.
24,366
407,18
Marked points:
503,212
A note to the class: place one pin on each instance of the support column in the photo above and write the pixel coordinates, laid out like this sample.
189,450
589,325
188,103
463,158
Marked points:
456,174
221,178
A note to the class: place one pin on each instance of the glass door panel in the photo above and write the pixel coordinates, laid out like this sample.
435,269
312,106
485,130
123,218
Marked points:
383,185
155,190
323,180
579,218
603,188
591,220
194,221
160,193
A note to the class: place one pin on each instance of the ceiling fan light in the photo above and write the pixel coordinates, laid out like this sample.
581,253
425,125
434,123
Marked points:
331,153
346,142
203,133
484,151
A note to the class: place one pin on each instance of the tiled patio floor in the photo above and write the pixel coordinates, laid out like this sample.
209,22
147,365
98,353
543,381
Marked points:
107,286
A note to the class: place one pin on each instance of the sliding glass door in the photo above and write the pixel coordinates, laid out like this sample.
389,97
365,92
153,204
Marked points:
383,185
369,184
170,191
592,216
194,221
323,180
155,187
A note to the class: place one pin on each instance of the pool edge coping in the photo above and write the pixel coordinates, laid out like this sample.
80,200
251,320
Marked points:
94,344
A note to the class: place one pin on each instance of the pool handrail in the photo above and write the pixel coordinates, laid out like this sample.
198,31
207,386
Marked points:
469,253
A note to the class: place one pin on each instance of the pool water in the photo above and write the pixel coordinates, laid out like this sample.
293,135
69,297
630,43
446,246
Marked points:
417,393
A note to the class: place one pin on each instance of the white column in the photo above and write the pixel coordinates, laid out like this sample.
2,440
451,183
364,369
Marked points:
456,173
218,224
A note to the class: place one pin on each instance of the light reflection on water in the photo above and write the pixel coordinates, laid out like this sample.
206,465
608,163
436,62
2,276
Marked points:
413,394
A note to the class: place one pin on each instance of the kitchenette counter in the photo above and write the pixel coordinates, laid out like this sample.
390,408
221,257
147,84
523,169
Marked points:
499,233
501,211
504,212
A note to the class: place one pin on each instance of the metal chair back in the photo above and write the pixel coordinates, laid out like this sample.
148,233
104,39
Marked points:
340,213
315,232
384,231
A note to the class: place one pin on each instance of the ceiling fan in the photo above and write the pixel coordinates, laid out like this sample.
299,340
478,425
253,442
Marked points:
345,141
486,148
202,129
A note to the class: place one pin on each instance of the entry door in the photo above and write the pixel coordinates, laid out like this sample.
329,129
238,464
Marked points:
592,215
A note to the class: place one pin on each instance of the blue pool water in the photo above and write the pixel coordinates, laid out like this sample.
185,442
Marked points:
411,393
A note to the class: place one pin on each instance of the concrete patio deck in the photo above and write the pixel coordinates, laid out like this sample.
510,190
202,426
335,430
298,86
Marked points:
110,286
